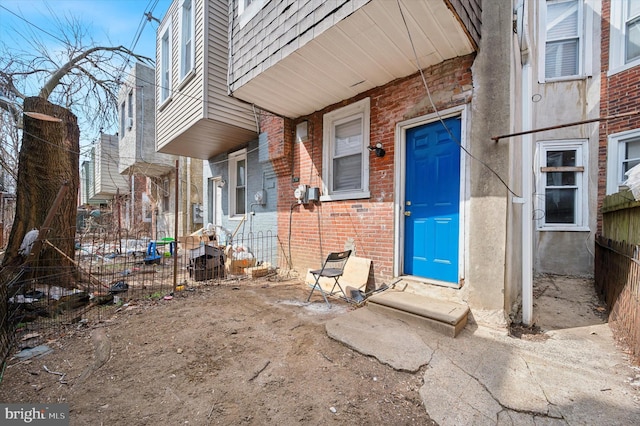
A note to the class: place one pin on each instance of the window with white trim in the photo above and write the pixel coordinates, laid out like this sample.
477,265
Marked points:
562,46
166,192
247,9
624,38
130,104
123,119
345,169
623,152
165,62
562,186
238,184
187,38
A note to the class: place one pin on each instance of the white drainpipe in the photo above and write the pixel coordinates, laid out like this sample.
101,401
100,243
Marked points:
527,207
527,178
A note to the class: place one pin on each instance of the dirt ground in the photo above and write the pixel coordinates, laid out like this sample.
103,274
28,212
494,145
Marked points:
239,352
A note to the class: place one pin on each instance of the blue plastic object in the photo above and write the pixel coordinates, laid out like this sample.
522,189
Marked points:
152,254
152,251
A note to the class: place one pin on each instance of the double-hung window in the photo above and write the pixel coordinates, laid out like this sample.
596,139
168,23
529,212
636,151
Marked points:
165,62
623,153
345,168
562,32
624,38
186,38
238,183
562,186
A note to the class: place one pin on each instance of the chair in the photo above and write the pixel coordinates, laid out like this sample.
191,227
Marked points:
333,268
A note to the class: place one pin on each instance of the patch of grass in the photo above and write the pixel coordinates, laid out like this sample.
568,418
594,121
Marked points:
156,295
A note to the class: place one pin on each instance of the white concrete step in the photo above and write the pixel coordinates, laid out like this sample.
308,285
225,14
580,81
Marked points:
446,317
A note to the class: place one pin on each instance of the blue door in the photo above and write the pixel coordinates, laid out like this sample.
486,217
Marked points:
432,201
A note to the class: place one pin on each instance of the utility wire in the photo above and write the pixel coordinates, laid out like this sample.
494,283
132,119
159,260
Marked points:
426,86
35,26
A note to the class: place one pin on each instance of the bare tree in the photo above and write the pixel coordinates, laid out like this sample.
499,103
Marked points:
51,88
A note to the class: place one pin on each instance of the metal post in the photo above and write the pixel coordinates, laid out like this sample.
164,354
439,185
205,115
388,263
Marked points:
175,229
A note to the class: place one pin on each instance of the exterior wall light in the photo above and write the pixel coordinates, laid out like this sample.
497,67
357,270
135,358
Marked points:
378,149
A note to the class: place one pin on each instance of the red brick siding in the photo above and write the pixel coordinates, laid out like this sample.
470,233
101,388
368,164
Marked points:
619,93
318,229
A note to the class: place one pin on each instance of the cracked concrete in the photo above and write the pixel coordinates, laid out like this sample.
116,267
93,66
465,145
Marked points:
575,375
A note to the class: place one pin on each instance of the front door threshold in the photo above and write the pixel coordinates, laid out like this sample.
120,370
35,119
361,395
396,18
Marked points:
427,281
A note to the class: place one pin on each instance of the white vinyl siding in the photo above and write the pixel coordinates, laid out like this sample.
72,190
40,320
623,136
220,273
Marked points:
623,152
562,186
108,181
221,106
624,39
201,103
345,168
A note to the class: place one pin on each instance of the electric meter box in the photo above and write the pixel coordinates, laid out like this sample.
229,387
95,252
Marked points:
313,194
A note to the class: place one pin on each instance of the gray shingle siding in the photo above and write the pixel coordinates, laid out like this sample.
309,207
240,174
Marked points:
279,29
282,26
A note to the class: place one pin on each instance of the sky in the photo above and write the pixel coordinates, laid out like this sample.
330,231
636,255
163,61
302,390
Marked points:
114,22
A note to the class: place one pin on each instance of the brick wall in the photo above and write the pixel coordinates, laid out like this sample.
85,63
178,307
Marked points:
309,232
619,93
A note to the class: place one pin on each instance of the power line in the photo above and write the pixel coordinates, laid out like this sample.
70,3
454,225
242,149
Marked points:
426,86
35,26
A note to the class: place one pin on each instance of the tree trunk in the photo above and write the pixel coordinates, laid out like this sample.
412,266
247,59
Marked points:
49,156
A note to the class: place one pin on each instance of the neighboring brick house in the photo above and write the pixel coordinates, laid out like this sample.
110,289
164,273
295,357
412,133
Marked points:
402,166
620,94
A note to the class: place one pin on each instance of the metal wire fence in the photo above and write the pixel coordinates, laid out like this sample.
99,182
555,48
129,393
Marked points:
108,271
617,279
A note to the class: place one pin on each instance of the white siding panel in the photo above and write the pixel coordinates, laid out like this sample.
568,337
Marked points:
108,180
201,119
186,105
220,106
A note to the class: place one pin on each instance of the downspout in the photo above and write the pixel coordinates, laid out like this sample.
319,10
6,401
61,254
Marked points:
142,125
132,218
527,171
189,210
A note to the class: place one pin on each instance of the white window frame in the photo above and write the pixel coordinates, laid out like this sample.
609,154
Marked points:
166,195
616,144
585,42
187,39
247,9
123,118
164,64
130,104
329,121
617,36
582,198
234,158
